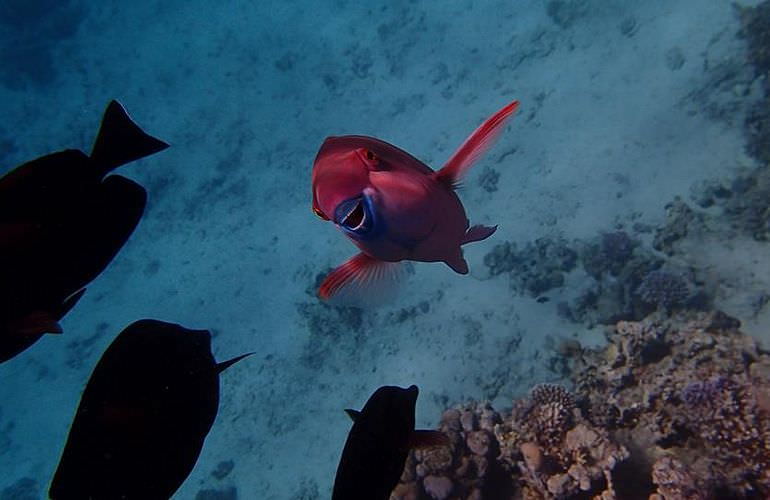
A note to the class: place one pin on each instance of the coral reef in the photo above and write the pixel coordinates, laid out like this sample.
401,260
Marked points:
674,407
663,289
466,469
688,396
609,254
629,281
538,267
756,31
554,450
618,265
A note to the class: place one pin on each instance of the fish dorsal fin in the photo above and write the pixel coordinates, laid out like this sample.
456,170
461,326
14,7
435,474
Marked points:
224,365
427,439
353,414
121,141
474,146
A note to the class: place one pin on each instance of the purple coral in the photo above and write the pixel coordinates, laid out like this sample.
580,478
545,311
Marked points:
663,289
705,392
617,246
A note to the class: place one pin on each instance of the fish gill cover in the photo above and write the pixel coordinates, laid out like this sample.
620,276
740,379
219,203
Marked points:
638,162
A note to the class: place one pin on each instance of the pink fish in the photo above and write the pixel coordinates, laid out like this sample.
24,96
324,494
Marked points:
394,207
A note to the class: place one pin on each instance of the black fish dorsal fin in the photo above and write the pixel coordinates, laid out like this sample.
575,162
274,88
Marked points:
121,141
224,365
353,414
428,439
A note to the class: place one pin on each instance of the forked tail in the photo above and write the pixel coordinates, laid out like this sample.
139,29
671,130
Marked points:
121,141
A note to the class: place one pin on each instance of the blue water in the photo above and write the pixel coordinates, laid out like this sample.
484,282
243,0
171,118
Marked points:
624,105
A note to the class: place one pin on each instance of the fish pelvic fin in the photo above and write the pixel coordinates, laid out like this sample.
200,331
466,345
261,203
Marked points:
361,281
477,233
121,141
458,263
474,146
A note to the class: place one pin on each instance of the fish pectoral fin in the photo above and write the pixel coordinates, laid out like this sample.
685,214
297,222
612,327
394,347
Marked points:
427,439
37,323
353,414
68,304
474,146
361,281
477,233
224,365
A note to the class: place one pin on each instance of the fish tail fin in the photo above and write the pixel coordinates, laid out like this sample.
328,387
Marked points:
361,281
121,141
474,146
477,233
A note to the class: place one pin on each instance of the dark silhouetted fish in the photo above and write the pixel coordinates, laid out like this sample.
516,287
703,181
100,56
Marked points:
378,444
143,417
62,220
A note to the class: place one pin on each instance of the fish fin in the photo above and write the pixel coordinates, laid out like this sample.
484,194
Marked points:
458,262
353,414
361,281
474,146
121,141
427,439
224,365
68,304
477,233
37,323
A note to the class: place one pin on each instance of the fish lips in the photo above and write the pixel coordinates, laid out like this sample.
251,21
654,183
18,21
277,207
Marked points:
356,216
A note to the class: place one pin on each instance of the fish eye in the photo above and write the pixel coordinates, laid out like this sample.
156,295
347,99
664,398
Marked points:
370,156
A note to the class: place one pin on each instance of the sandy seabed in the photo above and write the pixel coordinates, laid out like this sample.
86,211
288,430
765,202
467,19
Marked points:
623,107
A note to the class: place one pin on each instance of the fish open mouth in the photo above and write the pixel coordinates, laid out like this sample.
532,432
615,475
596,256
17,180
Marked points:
355,219
354,215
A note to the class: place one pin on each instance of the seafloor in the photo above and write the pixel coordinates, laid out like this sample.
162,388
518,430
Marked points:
634,179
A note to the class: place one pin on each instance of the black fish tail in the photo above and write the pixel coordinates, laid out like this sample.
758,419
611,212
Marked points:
121,141
224,365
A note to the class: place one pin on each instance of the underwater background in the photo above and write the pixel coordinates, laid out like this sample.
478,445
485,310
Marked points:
633,181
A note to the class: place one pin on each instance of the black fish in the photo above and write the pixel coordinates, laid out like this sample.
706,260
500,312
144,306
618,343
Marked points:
140,426
378,443
62,220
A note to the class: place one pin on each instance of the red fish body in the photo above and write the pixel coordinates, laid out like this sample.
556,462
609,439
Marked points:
393,206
